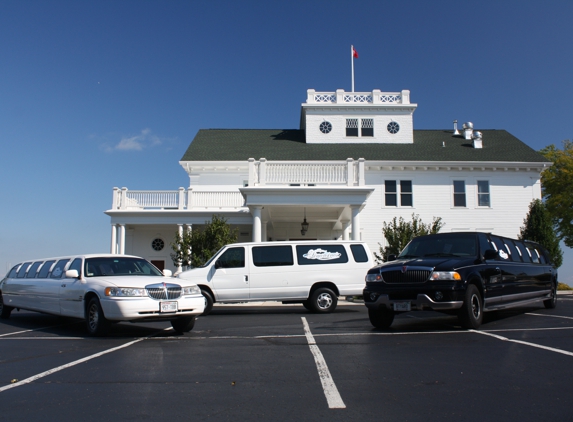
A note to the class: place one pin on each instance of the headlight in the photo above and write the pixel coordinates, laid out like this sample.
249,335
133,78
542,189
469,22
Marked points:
124,292
191,290
373,277
445,275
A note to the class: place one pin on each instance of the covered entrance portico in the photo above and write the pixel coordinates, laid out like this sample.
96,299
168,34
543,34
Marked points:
331,212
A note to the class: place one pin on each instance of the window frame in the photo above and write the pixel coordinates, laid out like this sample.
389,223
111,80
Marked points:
454,193
398,194
480,194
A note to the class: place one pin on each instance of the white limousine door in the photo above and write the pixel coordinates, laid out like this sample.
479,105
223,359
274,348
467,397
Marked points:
72,292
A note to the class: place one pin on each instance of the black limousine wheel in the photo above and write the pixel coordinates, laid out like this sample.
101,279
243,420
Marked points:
208,302
183,324
96,322
381,318
323,300
552,301
471,313
4,310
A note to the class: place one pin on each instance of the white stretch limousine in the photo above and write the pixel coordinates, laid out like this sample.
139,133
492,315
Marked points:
101,289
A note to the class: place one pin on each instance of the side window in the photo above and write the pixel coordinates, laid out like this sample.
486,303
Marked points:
391,196
33,269
515,255
359,253
522,250
23,268
59,268
13,272
232,258
45,269
272,256
533,254
406,199
501,249
76,265
321,254
484,243
459,193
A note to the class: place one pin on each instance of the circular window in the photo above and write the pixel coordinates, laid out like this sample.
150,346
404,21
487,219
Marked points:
325,127
157,244
393,127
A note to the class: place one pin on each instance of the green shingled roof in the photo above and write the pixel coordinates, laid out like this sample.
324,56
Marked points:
289,145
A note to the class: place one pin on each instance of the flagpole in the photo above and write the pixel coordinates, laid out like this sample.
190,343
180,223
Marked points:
352,61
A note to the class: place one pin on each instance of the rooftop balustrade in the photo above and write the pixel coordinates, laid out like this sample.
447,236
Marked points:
376,97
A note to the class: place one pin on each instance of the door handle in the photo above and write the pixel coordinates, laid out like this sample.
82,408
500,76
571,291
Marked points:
247,279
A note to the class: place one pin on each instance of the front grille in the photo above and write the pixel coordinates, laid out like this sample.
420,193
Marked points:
408,276
164,291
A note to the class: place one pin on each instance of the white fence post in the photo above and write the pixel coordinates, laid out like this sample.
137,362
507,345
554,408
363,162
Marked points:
361,180
181,204
350,172
123,202
262,171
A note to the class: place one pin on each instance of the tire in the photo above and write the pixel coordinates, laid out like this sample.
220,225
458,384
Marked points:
183,324
471,312
323,300
381,318
307,305
4,310
208,302
96,323
551,303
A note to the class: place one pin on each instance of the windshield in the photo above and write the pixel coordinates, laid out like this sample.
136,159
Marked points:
120,266
211,259
458,245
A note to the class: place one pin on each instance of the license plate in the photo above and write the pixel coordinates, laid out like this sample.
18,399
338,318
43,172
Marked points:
402,306
168,307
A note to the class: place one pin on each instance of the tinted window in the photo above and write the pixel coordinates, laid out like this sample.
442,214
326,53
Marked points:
359,253
76,265
459,193
59,268
533,254
270,256
515,255
406,193
484,243
232,258
23,268
503,253
33,269
13,272
45,269
321,254
522,250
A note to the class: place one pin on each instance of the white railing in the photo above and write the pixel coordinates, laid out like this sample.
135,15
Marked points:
374,97
348,173
124,199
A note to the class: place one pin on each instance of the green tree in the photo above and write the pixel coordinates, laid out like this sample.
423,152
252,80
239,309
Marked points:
196,246
538,227
557,184
399,232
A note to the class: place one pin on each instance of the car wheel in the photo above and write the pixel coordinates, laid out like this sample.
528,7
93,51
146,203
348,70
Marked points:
208,302
381,318
96,322
323,300
471,312
4,310
307,305
183,324
551,302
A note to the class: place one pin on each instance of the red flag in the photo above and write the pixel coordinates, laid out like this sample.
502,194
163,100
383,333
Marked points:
354,53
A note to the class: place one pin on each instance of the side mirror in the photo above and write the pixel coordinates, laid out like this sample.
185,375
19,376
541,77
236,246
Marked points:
392,257
167,273
72,274
490,254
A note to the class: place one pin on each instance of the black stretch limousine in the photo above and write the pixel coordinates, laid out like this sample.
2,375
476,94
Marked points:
463,273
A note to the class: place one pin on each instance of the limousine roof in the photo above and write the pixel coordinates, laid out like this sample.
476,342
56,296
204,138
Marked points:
93,255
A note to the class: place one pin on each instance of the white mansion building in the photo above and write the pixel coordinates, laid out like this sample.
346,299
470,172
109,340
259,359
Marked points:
355,162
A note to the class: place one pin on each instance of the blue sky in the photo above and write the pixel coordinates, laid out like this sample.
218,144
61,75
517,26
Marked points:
97,94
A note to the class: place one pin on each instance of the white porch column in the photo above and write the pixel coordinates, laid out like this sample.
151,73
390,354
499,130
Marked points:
113,249
180,231
257,223
355,222
122,239
346,230
264,231
189,230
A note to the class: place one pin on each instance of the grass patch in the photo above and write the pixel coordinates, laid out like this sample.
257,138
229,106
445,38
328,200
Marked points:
563,286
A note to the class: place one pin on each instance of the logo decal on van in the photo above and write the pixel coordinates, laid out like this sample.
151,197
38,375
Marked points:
321,255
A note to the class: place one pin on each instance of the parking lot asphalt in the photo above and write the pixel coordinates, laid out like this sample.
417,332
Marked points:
281,362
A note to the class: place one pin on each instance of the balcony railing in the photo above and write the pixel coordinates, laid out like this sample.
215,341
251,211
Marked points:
376,97
124,199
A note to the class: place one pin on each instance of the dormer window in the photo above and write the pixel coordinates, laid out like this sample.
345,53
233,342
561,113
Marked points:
359,127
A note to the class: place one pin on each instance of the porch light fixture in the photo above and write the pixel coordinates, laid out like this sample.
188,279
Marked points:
304,225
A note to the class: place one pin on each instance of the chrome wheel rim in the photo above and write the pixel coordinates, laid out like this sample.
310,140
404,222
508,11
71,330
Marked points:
324,301
476,308
93,317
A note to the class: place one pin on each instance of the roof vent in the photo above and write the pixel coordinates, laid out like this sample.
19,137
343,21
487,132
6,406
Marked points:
477,139
456,131
468,130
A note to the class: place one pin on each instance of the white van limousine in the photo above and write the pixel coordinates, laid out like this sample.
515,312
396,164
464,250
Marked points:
101,289
313,273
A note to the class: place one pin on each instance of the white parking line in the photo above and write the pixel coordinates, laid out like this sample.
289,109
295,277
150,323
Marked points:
526,343
552,316
68,365
330,391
